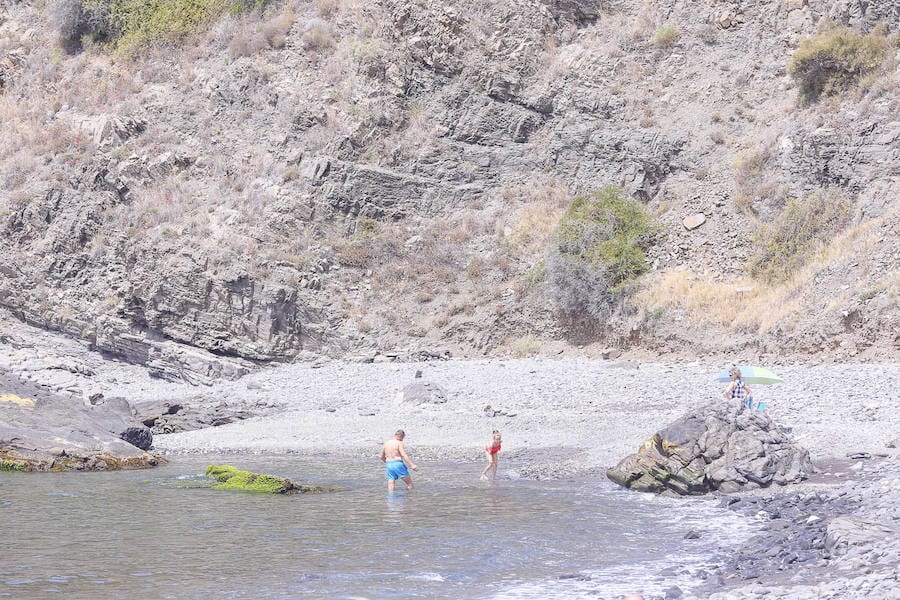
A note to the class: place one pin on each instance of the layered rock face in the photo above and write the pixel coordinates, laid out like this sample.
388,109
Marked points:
193,221
162,308
721,447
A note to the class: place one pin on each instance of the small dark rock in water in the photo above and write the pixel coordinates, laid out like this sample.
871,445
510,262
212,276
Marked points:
692,535
574,577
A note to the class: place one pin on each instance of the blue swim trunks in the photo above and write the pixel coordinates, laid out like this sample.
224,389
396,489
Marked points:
396,469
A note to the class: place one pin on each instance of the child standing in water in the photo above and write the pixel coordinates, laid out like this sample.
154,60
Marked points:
491,451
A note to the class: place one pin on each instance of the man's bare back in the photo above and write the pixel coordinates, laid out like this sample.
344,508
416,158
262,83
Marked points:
393,454
392,450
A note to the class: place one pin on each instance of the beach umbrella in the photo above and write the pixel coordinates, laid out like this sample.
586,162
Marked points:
751,375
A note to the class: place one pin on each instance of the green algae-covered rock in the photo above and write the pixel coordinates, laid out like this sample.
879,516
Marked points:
232,478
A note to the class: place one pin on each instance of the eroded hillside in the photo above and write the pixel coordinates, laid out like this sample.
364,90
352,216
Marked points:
343,177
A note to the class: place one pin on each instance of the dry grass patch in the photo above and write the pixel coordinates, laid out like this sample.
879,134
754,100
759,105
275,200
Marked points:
543,204
791,240
317,37
756,179
525,346
745,305
835,60
666,36
736,306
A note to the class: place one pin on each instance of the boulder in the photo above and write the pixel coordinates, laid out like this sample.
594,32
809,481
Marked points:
139,437
423,392
693,221
723,446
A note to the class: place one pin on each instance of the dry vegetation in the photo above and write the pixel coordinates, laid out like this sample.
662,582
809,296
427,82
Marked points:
837,59
743,304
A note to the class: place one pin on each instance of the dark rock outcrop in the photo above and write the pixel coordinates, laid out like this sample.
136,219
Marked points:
140,437
161,416
723,447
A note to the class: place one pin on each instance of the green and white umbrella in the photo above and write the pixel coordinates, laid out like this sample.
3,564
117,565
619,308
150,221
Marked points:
750,374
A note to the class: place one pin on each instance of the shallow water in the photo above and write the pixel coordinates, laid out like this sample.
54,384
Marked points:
149,534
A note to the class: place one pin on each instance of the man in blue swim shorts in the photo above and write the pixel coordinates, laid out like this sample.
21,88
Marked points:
396,461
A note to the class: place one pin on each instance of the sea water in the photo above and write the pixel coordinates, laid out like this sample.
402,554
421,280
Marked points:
156,534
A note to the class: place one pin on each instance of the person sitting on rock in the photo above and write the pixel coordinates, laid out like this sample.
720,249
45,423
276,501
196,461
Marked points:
737,389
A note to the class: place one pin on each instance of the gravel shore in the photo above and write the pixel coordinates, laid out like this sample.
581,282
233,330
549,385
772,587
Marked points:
600,410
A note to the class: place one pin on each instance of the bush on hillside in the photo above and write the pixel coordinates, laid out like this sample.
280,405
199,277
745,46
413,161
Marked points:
790,242
597,251
128,25
666,36
75,20
834,61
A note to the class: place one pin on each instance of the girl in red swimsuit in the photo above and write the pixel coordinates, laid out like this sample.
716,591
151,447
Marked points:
491,451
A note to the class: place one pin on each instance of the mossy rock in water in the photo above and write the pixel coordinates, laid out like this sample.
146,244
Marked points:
232,478
11,465
54,460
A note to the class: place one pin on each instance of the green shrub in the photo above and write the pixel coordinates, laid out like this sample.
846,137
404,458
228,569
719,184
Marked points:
597,251
835,60
127,25
535,275
11,465
789,242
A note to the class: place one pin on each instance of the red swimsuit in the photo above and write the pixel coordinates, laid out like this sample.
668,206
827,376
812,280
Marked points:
492,449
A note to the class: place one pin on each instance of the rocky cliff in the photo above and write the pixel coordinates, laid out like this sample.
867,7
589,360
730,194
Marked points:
343,177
